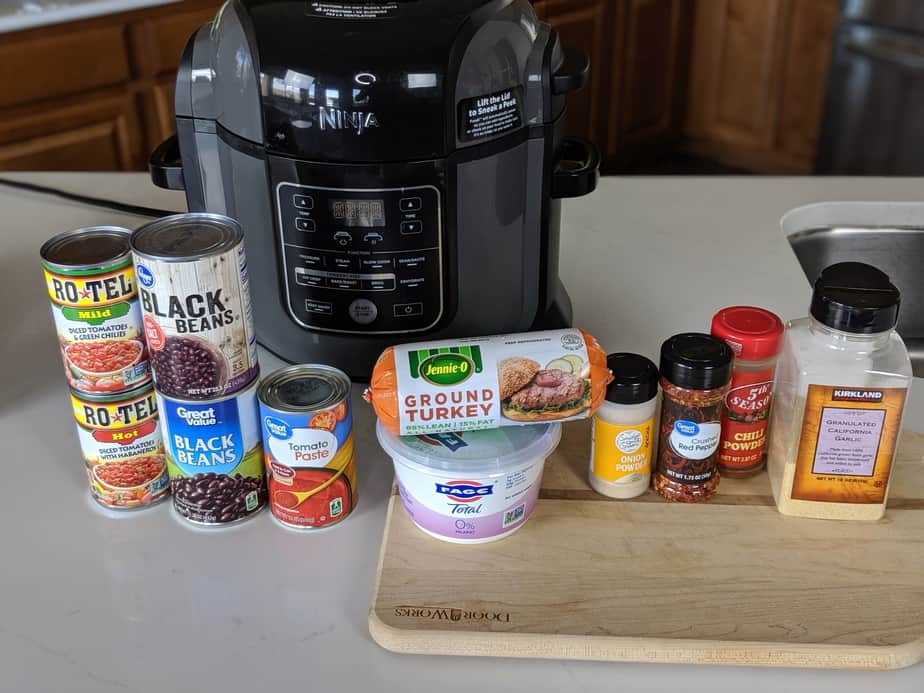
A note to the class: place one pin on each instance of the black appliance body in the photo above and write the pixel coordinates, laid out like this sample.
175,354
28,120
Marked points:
875,99
397,167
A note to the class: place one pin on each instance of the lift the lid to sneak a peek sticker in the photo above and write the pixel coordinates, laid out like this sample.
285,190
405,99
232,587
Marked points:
490,115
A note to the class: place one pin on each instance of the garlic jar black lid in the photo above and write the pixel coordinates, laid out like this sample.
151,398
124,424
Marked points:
855,297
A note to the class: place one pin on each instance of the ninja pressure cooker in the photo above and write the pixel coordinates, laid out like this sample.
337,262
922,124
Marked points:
396,166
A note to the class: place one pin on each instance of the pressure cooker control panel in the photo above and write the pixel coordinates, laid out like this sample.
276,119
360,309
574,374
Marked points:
363,261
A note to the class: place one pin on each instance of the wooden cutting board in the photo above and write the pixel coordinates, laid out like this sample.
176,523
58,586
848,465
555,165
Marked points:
727,582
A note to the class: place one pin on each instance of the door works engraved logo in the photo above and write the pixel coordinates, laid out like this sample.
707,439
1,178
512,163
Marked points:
440,613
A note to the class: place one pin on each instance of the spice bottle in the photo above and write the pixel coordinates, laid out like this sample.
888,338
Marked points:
840,390
695,372
754,334
624,428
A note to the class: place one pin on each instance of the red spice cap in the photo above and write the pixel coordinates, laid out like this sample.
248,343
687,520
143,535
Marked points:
752,333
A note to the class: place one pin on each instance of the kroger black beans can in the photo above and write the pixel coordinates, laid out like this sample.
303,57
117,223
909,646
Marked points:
195,296
214,456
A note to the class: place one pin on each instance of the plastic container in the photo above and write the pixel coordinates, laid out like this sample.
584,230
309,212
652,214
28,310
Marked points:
472,487
624,428
841,385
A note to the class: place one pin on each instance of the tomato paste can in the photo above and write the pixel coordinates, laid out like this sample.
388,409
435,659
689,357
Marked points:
122,447
94,302
308,445
214,456
195,297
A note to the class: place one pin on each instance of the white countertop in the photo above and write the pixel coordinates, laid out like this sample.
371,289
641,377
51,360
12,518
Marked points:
142,602
16,15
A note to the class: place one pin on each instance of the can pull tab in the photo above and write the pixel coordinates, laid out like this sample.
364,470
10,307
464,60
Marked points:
573,72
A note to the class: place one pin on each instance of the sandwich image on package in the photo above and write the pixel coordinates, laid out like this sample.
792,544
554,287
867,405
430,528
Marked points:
530,392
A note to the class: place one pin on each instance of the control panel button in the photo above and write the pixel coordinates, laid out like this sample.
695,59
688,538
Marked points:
409,228
303,201
346,281
319,307
379,284
373,237
413,282
342,264
375,264
308,278
407,310
311,260
343,237
411,262
410,204
304,224
363,311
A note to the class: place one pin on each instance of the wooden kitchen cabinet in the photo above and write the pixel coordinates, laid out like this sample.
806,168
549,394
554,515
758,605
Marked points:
95,94
757,81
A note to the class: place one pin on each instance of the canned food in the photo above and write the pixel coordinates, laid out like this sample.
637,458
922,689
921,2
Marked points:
122,447
195,295
214,456
308,445
91,284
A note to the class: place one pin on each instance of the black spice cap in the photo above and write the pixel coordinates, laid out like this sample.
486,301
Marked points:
696,361
635,379
855,297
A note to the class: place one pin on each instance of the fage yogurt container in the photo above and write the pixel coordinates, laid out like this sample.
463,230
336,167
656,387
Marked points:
474,486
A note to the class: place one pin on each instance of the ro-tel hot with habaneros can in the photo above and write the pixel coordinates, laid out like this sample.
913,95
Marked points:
122,447
91,284
195,295
214,456
308,445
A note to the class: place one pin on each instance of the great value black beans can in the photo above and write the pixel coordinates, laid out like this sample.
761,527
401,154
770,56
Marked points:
91,284
214,456
308,445
122,447
195,297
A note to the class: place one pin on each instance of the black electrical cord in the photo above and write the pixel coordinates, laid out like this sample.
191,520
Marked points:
137,210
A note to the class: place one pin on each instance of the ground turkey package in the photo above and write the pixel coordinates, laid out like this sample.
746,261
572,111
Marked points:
488,382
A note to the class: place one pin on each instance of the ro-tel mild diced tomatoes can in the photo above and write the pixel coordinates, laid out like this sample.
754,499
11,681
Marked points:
754,334
195,295
308,445
214,456
122,447
91,284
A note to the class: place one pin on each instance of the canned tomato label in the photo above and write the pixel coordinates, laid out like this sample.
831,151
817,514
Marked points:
195,296
91,284
308,445
214,456
122,447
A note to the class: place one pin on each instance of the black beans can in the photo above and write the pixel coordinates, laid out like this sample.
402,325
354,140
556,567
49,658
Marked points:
194,292
214,456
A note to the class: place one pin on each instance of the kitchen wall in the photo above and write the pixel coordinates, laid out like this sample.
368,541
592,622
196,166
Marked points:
703,85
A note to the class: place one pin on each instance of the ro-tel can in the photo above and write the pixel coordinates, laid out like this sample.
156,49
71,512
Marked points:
195,295
122,447
308,445
91,284
214,456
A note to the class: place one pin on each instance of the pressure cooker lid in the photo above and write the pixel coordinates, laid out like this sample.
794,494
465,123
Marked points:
377,81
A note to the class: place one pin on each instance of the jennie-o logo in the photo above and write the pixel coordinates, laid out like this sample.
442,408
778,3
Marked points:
445,367
440,613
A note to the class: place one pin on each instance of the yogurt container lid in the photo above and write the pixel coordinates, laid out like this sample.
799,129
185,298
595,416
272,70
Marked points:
475,452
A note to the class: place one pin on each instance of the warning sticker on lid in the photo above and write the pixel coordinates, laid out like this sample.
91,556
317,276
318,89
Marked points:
490,115
353,10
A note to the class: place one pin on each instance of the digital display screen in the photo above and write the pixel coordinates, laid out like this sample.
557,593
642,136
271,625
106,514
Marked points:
363,213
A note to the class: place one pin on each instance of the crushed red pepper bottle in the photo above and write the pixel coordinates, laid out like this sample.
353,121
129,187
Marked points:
754,334
695,373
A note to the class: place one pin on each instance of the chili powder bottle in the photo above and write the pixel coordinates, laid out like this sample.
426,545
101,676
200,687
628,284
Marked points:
695,373
754,334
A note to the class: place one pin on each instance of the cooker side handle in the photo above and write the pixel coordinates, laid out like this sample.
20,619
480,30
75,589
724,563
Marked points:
572,73
577,169
166,166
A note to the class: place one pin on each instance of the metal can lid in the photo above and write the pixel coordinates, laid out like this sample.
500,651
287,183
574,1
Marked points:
88,248
304,388
185,237
109,397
